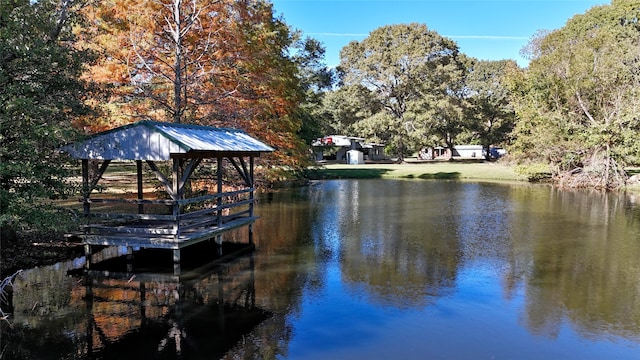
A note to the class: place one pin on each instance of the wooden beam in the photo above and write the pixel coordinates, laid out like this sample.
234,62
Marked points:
161,177
242,171
88,185
140,189
191,166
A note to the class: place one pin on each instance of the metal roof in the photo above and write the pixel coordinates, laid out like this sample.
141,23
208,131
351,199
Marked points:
152,140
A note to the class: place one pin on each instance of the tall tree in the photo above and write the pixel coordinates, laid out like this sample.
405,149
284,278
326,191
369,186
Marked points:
583,86
316,79
41,95
414,75
157,57
211,62
490,114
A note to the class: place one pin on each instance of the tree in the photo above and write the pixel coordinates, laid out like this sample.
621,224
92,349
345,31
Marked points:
490,112
210,62
41,95
316,79
582,91
415,76
344,107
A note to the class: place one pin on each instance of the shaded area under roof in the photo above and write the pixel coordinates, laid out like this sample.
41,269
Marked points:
152,140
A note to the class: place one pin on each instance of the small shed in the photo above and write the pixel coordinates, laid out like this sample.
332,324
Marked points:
355,157
185,221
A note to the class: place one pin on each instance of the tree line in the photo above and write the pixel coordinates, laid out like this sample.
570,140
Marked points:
69,68
572,113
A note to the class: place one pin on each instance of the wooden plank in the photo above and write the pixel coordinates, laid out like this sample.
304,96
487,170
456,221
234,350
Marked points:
197,213
151,217
198,199
214,196
105,229
185,227
237,204
129,201
146,242
156,242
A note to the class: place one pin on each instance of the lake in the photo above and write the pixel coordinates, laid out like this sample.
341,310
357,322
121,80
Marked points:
362,269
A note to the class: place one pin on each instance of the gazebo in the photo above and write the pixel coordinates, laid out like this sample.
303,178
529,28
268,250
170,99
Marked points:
182,220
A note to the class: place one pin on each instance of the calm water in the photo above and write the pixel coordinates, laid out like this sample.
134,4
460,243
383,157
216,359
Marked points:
374,269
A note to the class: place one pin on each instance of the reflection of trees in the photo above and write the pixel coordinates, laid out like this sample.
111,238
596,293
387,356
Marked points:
396,242
149,314
283,238
585,263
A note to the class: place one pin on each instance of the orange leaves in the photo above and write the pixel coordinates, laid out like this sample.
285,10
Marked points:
220,63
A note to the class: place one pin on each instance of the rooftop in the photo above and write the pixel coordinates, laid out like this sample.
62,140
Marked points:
152,140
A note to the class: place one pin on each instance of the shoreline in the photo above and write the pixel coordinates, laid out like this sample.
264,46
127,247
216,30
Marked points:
489,171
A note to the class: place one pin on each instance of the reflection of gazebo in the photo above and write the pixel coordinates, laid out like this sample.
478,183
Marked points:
160,315
189,220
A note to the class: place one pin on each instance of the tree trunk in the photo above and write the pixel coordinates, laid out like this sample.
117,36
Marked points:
177,64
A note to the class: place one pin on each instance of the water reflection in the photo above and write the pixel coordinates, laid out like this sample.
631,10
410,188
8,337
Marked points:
103,313
367,269
559,260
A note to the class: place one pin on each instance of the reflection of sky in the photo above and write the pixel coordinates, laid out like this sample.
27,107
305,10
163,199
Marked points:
484,314
476,322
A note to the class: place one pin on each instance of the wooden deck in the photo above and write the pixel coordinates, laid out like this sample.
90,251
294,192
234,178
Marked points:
158,235
190,221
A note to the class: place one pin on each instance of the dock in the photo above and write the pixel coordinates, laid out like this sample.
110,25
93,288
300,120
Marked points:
173,153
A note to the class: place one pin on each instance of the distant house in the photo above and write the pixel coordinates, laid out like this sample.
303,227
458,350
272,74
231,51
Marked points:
467,152
458,152
338,147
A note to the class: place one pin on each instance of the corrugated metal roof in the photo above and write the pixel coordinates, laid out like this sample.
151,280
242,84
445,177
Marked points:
152,140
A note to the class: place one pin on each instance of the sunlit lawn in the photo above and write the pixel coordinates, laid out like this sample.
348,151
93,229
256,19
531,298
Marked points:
432,170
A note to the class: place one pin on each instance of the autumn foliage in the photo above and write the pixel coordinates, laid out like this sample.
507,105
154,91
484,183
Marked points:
221,63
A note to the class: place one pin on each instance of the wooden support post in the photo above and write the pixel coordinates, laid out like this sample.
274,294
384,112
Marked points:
219,191
175,195
251,183
140,189
87,256
85,187
251,197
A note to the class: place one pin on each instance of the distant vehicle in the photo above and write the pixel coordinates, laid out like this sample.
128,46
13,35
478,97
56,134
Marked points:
497,152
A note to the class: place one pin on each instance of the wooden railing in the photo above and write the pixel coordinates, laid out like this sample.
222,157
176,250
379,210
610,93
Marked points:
211,212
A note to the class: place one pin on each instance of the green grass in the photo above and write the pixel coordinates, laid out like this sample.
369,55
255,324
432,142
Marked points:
435,170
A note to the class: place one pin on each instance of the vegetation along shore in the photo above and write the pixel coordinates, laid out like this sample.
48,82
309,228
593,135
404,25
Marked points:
70,71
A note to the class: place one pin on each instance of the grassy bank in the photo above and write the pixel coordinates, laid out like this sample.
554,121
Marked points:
432,170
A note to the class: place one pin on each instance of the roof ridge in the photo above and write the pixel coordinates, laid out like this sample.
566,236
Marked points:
191,126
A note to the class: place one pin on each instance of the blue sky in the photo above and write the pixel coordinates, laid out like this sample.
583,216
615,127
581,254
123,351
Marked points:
487,30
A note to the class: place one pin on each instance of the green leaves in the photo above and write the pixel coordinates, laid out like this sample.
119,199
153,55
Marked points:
41,95
412,77
582,87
